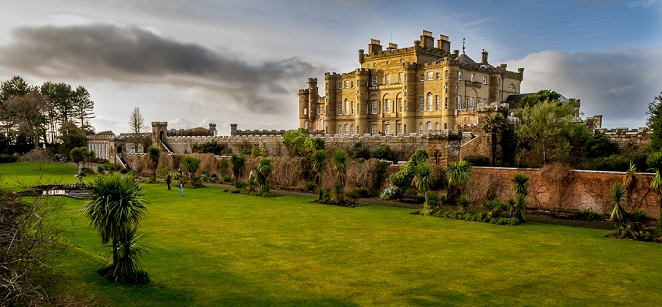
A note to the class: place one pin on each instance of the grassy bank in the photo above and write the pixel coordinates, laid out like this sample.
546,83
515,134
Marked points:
216,248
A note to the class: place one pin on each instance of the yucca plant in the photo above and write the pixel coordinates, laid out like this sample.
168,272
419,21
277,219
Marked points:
115,210
423,181
238,165
520,184
464,203
458,175
263,170
630,181
340,167
619,214
655,162
318,163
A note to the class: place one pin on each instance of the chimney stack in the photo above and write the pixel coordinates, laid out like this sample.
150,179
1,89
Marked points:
484,57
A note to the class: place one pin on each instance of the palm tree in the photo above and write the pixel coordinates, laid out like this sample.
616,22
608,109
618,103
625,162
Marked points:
191,164
115,210
263,170
318,161
619,214
238,164
423,181
630,181
520,182
153,154
494,125
340,167
458,174
655,162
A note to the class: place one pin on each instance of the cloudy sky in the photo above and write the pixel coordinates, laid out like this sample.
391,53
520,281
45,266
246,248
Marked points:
195,62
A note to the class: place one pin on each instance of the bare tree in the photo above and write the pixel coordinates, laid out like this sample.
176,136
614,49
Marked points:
136,124
27,115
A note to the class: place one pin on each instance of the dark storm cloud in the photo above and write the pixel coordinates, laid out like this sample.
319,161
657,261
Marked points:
130,53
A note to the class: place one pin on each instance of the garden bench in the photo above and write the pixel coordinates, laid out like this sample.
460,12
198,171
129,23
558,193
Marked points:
564,213
411,198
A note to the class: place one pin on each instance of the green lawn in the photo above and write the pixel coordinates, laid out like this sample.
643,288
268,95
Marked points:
215,248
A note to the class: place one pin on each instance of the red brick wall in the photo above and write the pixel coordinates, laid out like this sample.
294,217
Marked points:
589,190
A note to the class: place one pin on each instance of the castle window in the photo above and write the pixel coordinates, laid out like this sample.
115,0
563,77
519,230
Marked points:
339,129
399,128
484,101
421,77
445,126
399,100
511,87
374,80
352,84
399,77
446,88
387,106
374,106
352,104
387,78
438,75
436,126
430,75
428,127
459,75
420,103
346,130
345,107
428,103
339,108
339,85
351,129
472,104
436,102
346,84
420,128
387,128
305,125
404,128
446,73
318,110
484,79
445,103
374,129
305,111
473,77
459,102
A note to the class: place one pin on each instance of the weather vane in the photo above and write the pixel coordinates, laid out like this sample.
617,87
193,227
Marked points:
463,39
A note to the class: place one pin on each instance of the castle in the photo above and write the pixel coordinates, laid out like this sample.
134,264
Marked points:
398,91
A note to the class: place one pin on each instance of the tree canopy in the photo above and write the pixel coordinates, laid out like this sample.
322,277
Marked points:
654,122
532,99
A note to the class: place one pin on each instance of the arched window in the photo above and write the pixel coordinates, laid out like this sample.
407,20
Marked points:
436,126
305,111
428,127
352,104
511,87
420,128
387,106
351,129
436,102
339,129
346,130
305,125
345,107
428,102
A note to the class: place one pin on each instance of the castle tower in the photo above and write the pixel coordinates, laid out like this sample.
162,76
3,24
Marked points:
159,132
313,98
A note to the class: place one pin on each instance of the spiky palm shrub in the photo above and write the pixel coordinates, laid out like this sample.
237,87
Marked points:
263,170
619,214
340,167
464,203
458,174
516,207
630,181
423,179
318,163
655,162
520,184
115,210
238,165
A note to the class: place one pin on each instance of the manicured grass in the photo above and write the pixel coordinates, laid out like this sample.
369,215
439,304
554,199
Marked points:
215,248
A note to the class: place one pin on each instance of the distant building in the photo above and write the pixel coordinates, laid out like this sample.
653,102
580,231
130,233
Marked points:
420,89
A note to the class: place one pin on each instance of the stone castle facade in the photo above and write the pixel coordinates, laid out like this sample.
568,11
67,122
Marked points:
421,89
